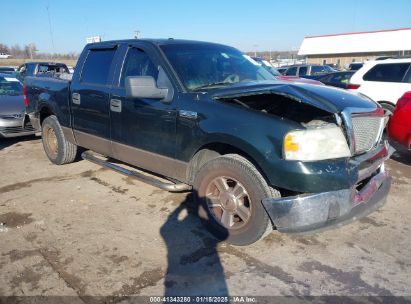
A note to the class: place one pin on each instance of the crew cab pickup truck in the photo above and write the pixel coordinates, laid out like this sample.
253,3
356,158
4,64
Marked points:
257,153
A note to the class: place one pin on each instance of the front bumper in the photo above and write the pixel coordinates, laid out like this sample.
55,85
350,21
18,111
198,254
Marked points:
321,211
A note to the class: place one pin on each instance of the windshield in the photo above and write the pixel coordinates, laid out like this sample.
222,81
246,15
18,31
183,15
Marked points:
265,64
10,86
202,67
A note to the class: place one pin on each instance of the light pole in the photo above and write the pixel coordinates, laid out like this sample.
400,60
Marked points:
255,49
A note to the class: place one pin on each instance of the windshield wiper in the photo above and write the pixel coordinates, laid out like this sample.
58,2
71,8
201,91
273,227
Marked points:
213,84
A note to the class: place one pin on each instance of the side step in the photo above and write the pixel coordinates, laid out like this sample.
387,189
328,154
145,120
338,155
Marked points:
151,180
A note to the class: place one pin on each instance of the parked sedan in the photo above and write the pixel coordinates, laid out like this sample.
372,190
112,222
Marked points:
266,65
399,126
336,79
13,121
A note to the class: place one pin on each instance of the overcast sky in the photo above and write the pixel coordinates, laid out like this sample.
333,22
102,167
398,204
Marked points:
248,25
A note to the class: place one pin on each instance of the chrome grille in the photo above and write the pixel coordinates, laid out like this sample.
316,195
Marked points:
367,131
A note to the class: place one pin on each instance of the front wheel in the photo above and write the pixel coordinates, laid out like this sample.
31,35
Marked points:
230,191
58,150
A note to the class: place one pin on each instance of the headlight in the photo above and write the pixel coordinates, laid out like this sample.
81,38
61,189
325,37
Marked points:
326,142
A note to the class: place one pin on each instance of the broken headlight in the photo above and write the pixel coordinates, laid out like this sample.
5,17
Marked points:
327,142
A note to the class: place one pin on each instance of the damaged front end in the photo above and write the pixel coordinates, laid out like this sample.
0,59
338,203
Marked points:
340,132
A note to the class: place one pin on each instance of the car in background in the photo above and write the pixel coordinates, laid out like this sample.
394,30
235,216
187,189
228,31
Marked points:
13,120
334,66
355,66
273,71
41,69
7,70
5,56
399,126
336,79
308,70
384,81
282,70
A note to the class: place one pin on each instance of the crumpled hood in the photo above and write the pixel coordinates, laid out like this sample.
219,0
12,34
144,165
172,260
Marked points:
326,98
11,105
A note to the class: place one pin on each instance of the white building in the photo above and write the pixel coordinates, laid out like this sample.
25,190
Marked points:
342,49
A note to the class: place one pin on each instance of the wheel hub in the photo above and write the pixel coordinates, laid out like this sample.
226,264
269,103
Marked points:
228,202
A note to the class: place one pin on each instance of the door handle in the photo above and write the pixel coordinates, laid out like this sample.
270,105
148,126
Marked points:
75,97
115,105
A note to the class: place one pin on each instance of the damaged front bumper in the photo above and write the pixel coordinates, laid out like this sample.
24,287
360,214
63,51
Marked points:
320,211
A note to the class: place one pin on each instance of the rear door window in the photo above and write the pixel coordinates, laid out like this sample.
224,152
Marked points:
389,72
302,71
97,66
291,72
317,69
30,69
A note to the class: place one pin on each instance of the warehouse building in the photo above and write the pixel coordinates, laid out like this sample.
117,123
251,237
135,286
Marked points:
343,49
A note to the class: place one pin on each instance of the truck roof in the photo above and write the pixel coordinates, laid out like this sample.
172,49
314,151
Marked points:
162,41
44,62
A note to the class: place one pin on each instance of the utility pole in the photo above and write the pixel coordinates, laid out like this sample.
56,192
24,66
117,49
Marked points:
51,31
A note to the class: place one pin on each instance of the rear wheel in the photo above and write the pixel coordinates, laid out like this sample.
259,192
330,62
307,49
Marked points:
57,148
229,192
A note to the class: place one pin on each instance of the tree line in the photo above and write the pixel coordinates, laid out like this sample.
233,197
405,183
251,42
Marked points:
30,51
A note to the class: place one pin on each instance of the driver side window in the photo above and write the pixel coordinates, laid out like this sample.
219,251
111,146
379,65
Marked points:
137,63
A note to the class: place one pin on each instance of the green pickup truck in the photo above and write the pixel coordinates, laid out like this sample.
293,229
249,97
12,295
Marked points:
257,152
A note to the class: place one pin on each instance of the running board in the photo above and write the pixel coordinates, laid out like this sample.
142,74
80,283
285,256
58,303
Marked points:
87,155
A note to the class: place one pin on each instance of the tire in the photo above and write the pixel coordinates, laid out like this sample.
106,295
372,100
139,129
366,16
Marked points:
388,108
238,176
57,148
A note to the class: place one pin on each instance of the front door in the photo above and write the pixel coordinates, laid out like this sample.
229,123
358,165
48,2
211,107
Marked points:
143,131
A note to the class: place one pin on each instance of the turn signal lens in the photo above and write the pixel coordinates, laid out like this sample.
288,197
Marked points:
289,144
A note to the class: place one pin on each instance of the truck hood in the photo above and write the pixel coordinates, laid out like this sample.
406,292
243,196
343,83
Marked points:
299,80
11,105
332,100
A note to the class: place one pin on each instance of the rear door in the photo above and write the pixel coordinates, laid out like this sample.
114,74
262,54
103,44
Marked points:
90,96
386,82
143,130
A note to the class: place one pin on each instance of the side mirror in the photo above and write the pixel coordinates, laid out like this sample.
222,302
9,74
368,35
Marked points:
144,87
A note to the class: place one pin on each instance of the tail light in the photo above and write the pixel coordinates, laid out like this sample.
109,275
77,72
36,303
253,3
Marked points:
353,86
404,100
26,101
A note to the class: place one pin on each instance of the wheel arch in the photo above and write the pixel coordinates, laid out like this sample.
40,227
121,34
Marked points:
382,102
44,112
213,149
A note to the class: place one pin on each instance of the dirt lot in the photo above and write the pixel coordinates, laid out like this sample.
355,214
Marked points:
79,230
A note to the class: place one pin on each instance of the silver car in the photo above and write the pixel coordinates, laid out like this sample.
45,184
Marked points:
13,120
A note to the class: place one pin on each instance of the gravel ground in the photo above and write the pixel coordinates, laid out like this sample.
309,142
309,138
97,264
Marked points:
79,230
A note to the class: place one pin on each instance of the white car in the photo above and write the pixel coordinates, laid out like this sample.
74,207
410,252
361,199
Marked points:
384,81
4,56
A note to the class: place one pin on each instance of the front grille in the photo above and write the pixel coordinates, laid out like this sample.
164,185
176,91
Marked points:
367,130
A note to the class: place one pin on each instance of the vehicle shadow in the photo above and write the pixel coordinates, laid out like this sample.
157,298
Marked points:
7,142
401,155
194,266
